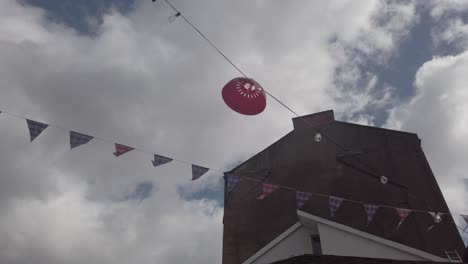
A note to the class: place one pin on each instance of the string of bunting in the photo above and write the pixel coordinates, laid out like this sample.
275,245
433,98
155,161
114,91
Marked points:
78,139
335,202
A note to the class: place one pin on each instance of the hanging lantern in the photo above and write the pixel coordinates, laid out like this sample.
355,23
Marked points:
383,179
244,96
437,218
318,137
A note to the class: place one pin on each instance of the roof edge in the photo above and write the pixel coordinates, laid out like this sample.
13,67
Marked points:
393,244
273,243
231,171
378,128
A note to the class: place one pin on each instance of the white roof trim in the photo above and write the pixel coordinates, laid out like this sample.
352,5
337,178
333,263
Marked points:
377,239
273,243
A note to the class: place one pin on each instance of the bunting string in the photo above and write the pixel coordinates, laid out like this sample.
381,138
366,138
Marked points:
78,139
350,200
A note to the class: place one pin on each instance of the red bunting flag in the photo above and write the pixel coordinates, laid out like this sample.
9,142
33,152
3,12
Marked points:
121,149
267,190
403,214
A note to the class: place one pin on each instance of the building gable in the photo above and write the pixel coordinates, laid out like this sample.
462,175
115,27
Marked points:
301,163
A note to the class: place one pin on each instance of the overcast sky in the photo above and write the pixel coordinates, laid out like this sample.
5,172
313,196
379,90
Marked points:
117,69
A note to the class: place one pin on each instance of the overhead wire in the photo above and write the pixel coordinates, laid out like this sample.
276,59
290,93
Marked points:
245,75
103,139
329,138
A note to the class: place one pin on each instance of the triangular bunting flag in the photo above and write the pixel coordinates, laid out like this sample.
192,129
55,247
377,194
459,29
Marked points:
232,181
334,203
78,139
121,149
371,209
301,198
403,214
35,128
465,217
198,171
267,189
160,160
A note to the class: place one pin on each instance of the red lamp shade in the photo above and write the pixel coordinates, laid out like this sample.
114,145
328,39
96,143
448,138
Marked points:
244,96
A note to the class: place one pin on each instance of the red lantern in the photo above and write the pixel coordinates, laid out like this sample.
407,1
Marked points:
244,96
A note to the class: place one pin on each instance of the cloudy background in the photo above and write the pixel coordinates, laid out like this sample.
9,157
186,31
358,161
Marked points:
120,71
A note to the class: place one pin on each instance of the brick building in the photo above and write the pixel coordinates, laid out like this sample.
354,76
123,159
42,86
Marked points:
348,162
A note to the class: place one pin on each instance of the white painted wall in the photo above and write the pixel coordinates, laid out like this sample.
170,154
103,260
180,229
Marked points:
295,244
342,243
336,239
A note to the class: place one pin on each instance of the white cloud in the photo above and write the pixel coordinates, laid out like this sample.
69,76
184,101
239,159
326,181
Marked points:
438,9
439,114
450,28
155,86
373,44
380,33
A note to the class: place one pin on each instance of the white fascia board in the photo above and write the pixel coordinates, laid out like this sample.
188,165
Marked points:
413,251
273,243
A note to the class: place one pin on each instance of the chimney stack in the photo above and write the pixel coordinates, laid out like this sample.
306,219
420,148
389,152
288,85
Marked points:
314,120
